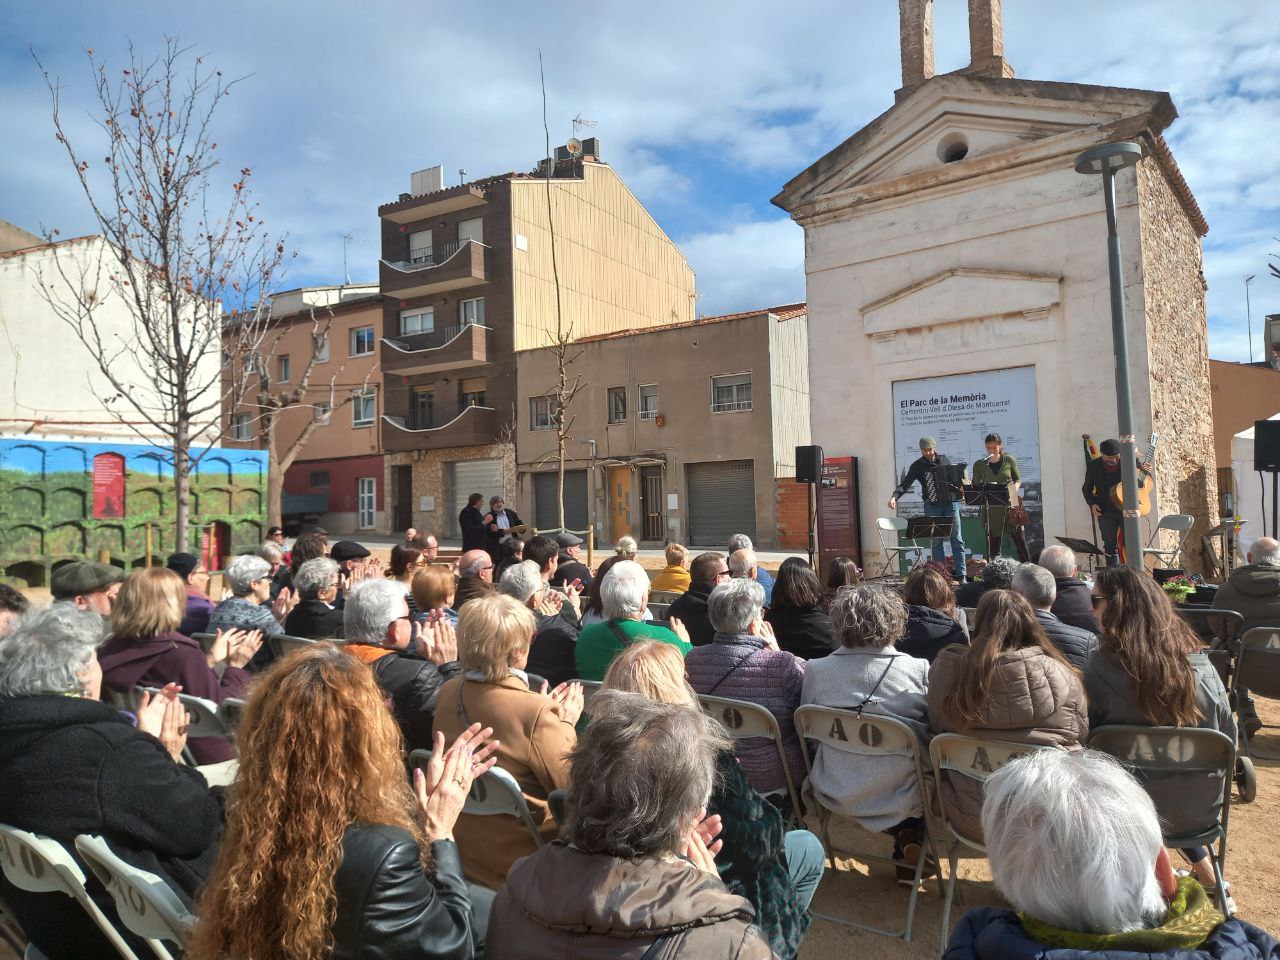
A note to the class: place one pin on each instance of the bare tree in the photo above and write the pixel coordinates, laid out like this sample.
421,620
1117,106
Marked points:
250,343
568,384
177,250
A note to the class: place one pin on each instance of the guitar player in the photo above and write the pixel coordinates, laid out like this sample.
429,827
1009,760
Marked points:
1100,478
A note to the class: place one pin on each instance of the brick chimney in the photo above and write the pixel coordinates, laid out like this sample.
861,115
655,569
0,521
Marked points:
986,41
915,25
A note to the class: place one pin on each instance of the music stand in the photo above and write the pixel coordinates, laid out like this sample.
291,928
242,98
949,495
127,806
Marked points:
929,528
1083,546
987,495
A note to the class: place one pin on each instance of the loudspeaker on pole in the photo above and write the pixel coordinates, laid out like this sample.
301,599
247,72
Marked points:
809,464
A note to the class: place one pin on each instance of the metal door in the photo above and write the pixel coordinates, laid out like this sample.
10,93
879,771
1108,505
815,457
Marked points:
651,504
466,477
366,502
545,514
404,497
722,501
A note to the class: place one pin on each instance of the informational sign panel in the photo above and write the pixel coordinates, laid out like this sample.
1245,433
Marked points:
838,515
108,486
959,411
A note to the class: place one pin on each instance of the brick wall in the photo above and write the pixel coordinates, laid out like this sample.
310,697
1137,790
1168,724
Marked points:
791,513
430,480
1177,343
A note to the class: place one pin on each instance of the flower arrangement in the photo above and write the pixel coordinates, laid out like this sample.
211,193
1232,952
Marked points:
1181,587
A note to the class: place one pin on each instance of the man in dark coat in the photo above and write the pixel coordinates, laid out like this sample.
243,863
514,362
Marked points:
498,523
1037,586
1074,602
571,567
471,520
706,572
1101,477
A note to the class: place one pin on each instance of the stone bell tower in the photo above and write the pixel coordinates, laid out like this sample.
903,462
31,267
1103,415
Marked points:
986,42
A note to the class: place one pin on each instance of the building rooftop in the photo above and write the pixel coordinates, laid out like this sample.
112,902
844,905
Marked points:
788,311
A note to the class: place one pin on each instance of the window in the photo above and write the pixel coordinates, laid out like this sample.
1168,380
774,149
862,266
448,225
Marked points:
420,247
362,341
364,407
253,363
471,311
471,230
617,404
471,392
418,320
241,428
648,402
282,368
424,409
322,348
323,411
540,413
730,393
320,478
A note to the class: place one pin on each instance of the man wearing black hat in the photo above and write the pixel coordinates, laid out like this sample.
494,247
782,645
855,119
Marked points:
1100,478
354,565
87,585
571,567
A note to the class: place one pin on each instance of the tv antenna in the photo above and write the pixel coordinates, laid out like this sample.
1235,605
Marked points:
346,239
574,146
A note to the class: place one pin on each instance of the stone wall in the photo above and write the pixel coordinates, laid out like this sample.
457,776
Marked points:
1178,357
429,479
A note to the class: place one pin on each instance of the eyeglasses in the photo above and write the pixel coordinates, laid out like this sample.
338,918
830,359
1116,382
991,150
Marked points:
1096,599
723,573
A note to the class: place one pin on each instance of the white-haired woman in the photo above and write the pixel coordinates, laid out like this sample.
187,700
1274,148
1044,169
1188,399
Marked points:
630,877
624,598
250,606
534,730
316,617
73,765
1108,889
627,548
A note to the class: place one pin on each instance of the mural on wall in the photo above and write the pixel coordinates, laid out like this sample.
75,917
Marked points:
65,500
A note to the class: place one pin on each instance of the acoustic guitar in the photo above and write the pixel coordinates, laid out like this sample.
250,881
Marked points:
1146,481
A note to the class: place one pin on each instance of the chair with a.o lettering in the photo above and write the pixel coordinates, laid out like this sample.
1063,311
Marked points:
744,720
146,903
867,735
40,865
667,597
972,759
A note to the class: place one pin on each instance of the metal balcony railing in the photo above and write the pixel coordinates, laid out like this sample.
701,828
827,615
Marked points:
430,256
431,339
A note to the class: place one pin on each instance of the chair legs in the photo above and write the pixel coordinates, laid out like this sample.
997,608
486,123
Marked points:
949,888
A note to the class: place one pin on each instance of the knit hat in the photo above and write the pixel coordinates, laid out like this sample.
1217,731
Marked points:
183,564
1110,448
82,578
928,443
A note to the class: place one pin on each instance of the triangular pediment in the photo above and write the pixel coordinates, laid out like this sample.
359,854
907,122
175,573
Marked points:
954,123
961,294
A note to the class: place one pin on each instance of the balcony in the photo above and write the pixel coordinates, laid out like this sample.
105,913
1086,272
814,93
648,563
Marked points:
449,348
451,267
472,427
449,200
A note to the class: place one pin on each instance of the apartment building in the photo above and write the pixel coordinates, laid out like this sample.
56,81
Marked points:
468,282
338,478
689,428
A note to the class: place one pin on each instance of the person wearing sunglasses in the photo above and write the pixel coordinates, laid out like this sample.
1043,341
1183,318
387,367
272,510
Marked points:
707,572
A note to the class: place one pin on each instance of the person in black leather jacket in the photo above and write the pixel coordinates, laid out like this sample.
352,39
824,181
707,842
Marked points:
321,757
707,571
411,661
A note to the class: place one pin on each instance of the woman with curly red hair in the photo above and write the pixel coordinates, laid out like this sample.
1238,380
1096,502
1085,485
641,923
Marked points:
324,854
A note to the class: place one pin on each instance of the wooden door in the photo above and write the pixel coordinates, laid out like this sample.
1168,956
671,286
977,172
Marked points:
619,502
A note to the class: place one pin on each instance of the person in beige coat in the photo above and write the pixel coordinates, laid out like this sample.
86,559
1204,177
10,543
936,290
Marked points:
534,730
1010,684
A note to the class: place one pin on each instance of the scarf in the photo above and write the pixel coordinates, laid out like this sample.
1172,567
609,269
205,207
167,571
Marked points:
1191,918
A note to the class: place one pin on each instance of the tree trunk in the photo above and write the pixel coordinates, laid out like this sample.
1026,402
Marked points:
275,481
181,488
560,481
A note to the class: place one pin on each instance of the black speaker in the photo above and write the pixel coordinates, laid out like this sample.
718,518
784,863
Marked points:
1266,445
809,464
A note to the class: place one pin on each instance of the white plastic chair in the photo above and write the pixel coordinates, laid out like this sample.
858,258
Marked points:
744,720
1179,523
495,794
894,526
41,865
146,903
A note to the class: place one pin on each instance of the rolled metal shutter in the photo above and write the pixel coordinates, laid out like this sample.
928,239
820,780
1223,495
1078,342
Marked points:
722,501
466,477
546,516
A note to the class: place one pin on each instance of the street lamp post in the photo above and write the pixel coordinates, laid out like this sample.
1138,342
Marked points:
1248,314
1106,159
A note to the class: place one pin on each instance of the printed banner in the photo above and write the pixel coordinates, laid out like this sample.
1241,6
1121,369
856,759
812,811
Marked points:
108,485
959,411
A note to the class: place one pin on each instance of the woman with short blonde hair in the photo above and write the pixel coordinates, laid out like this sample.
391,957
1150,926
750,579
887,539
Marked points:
146,649
433,588
752,862
534,729
675,578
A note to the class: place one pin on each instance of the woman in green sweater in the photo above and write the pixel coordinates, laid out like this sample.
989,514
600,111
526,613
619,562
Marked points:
998,467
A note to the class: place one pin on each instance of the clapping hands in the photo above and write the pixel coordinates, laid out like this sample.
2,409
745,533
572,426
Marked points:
701,845
163,716
435,639
443,787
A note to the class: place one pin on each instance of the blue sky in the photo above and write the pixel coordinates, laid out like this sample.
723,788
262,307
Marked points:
706,109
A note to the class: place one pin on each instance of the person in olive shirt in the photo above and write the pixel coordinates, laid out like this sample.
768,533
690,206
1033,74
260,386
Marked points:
625,595
997,467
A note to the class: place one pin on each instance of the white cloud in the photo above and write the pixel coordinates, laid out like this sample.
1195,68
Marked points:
747,265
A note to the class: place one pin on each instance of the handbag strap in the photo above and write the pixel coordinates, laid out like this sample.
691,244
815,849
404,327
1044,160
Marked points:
731,672
618,632
655,948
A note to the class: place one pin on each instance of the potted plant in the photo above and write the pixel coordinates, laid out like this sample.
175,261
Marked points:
1179,588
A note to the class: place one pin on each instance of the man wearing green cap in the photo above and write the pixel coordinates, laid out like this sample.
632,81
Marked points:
87,584
940,500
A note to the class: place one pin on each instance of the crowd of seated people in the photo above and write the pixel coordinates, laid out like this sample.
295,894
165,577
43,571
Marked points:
673,836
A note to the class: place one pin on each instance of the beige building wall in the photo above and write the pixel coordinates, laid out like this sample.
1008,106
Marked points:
618,270
789,392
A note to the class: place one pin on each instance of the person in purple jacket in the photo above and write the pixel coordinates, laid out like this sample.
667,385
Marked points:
743,662
146,648
195,578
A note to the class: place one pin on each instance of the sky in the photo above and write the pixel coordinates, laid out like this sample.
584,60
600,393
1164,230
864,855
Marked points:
705,109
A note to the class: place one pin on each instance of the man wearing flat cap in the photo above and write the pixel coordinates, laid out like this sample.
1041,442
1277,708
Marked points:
87,585
571,567
941,500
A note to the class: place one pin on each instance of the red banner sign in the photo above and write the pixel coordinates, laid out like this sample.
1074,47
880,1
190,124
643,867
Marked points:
108,486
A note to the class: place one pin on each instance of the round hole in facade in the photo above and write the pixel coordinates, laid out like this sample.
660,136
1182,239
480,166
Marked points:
953,147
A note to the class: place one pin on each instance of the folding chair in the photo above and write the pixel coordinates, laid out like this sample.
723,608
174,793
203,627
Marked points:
886,526
975,760
1179,523
205,640
231,712
205,720
41,865
589,689
867,735
1220,630
1257,670
282,644
667,597
744,720
1187,772
661,612
146,903
494,794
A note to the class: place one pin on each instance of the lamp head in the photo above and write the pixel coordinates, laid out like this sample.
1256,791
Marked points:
1111,156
